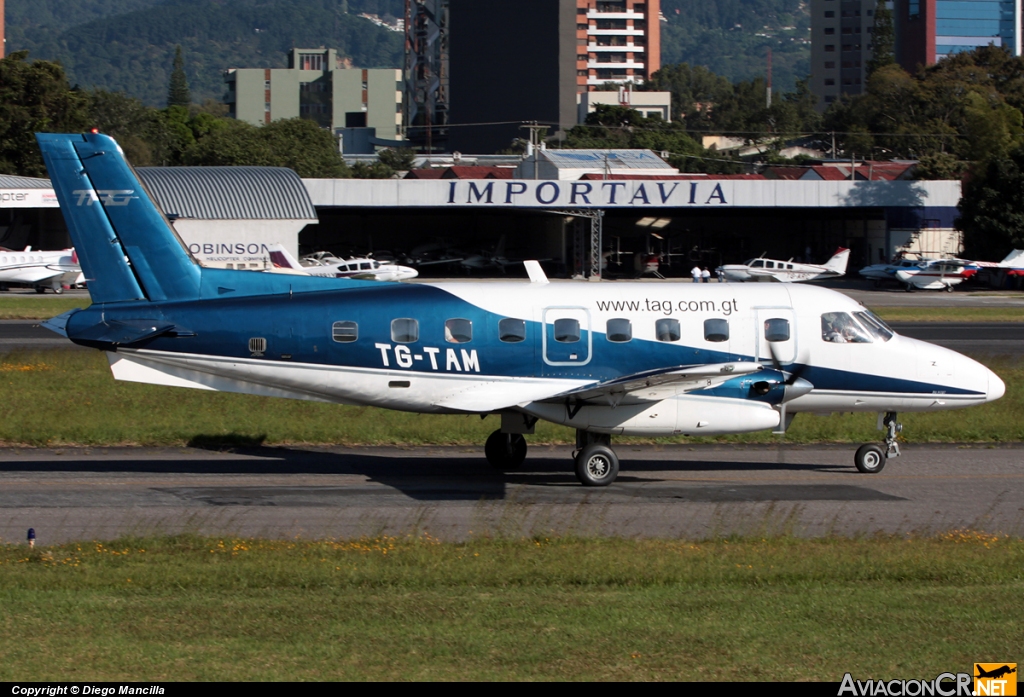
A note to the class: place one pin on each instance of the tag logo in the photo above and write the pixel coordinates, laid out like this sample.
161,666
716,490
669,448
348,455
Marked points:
108,197
995,679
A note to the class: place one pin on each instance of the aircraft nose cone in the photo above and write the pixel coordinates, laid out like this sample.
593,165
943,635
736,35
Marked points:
996,387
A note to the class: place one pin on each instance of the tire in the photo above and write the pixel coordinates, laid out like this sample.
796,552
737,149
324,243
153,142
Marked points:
505,451
870,459
597,465
58,290
40,290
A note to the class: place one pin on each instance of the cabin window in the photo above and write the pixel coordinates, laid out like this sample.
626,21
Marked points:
405,330
756,263
567,330
776,329
365,266
458,331
667,329
345,332
875,326
619,330
841,328
769,264
512,331
716,330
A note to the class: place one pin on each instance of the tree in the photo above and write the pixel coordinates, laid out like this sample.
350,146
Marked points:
34,97
177,92
882,39
398,159
298,144
992,207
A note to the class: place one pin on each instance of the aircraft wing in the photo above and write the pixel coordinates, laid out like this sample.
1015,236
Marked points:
33,274
655,385
763,275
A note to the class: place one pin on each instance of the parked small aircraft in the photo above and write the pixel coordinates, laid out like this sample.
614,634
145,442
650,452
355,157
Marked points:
602,358
762,269
327,265
40,269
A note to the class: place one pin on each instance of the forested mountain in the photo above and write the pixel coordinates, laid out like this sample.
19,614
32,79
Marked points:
133,51
128,45
732,37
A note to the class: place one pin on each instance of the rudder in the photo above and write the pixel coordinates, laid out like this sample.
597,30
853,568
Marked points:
96,176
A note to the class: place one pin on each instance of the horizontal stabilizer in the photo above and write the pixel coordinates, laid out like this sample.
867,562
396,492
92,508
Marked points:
59,324
647,386
125,332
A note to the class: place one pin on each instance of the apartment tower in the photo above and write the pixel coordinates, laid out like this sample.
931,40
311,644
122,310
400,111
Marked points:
840,47
619,41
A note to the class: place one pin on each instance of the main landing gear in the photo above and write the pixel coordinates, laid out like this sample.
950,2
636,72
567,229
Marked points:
596,462
871,458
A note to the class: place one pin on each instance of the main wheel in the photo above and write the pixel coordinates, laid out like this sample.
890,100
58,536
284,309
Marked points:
505,451
597,465
870,459
40,290
58,290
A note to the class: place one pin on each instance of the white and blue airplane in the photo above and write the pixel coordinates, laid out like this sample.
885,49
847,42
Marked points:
604,359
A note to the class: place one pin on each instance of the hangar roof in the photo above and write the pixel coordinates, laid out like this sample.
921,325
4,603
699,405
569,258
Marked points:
10,181
229,193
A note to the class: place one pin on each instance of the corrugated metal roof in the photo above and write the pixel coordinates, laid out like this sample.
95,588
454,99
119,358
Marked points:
229,193
619,159
10,181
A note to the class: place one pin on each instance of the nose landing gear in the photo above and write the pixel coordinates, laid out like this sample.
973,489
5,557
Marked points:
596,462
871,458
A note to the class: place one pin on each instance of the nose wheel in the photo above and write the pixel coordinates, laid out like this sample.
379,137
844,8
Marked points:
871,458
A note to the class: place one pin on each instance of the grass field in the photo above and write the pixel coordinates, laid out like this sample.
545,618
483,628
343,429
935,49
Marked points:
562,609
62,397
29,307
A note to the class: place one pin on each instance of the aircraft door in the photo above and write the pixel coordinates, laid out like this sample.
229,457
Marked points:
775,330
567,339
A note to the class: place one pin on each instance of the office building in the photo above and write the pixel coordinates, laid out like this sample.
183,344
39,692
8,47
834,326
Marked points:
840,47
925,31
320,86
515,61
929,30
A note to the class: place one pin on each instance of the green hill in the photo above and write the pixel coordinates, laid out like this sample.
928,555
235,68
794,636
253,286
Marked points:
133,51
128,45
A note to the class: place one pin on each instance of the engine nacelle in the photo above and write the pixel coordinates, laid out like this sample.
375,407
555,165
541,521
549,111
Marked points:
687,416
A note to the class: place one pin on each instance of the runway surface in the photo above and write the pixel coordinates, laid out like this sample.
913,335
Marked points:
451,493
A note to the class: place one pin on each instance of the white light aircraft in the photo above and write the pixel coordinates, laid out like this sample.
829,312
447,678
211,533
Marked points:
40,269
604,359
327,265
762,269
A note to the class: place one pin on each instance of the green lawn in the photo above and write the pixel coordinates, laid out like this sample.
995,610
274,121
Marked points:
530,609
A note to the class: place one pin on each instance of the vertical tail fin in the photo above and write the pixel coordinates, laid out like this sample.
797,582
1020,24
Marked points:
283,262
837,264
111,216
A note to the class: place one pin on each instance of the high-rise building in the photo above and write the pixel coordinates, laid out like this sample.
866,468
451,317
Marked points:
515,61
925,31
319,86
841,46
929,30
3,35
619,41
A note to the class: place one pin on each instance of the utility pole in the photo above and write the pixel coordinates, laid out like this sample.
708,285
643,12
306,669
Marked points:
535,130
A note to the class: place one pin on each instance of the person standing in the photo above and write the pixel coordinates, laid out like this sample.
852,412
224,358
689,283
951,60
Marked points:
705,275
695,272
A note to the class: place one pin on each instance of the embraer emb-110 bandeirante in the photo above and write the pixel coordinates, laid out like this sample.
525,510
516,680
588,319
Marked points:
604,359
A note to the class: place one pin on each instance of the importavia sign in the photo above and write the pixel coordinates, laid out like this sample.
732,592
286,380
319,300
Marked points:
697,193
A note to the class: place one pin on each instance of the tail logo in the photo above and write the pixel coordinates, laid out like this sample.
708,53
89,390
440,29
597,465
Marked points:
108,197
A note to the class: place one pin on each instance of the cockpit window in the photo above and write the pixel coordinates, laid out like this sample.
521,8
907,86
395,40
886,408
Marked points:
841,328
874,324
756,263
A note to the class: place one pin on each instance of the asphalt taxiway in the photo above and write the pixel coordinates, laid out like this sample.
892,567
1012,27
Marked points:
451,493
